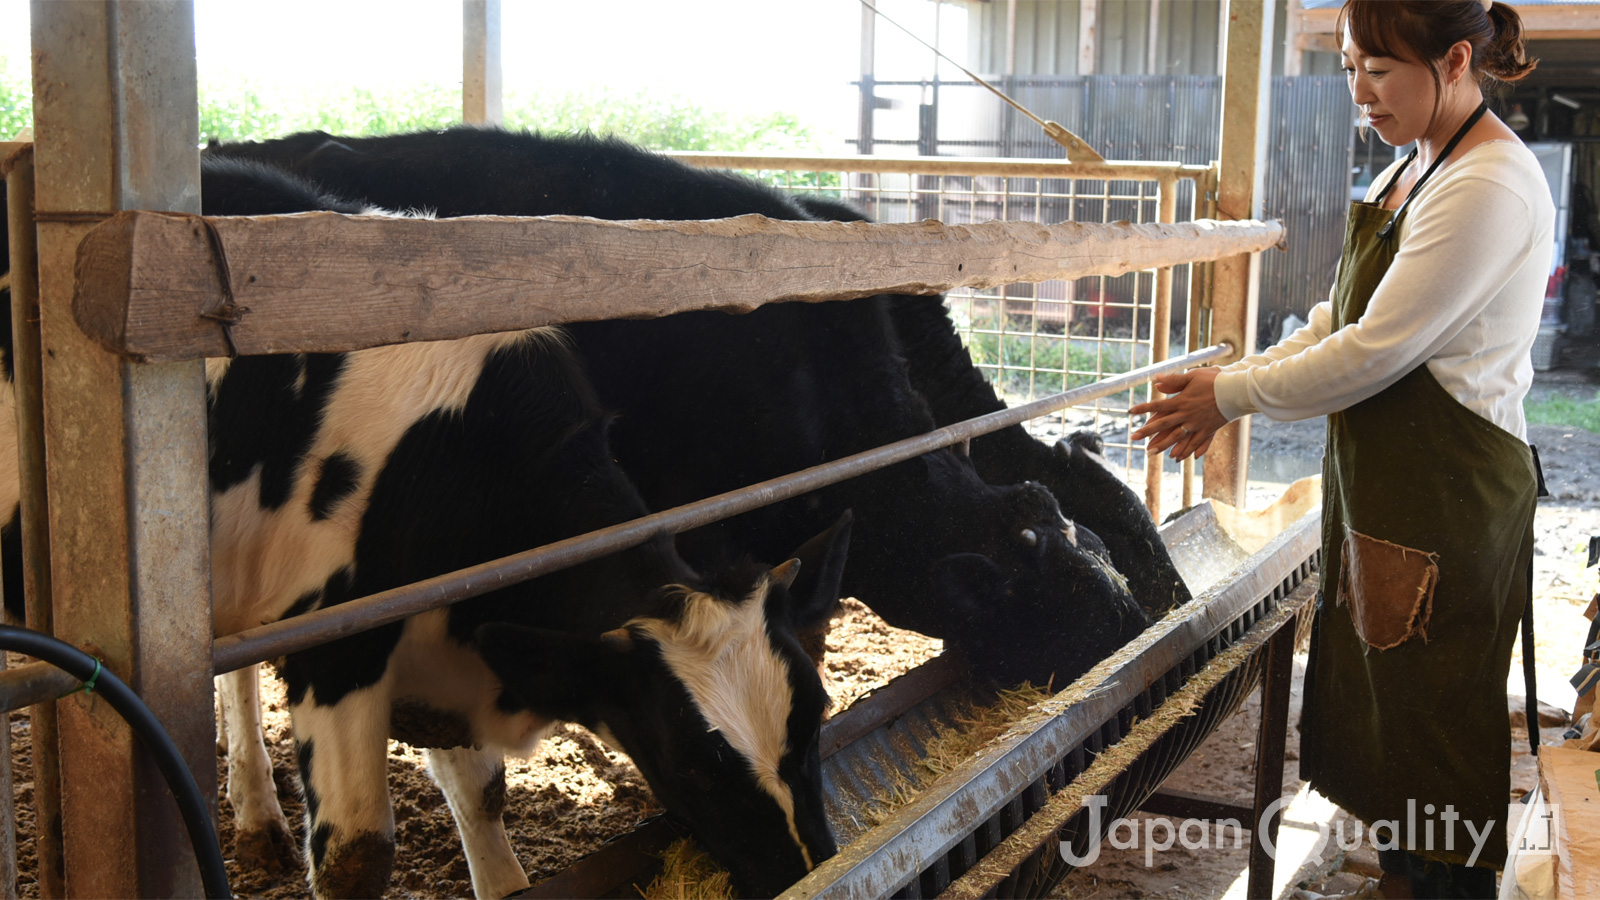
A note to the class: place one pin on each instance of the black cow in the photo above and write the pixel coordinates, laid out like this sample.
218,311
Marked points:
995,570
335,476
1075,470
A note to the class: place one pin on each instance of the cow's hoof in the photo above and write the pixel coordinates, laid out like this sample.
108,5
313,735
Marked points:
357,867
271,849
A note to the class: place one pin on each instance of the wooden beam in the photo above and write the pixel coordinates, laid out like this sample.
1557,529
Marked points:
17,167
1245,88
1322,20
115,119
329,282
1321,43
1556,21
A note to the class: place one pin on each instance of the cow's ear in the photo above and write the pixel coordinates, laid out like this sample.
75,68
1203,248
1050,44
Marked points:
814,594
552,673
961,582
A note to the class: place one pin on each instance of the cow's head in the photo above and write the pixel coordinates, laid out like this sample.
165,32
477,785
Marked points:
1093,494
715,701
1034,595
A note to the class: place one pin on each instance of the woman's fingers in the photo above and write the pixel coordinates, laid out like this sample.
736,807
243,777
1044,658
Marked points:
1158,424
1173,383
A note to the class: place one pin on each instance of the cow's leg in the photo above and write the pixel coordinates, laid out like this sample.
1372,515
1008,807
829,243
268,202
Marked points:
261,833
343,754
474,781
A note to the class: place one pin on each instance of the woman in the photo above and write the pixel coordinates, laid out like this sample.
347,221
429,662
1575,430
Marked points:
1420,359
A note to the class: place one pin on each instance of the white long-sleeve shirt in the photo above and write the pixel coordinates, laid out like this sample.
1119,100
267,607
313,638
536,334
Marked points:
1463,295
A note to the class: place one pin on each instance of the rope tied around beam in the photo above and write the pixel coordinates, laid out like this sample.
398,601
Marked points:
229,313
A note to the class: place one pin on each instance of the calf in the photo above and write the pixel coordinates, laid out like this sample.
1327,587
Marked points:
335,476
995,570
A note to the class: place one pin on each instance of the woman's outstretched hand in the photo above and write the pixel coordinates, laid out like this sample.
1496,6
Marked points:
1187,419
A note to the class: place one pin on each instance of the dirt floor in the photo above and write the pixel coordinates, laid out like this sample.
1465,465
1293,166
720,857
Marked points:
565,801
574,793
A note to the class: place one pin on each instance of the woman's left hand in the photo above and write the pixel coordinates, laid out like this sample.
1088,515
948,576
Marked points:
1185,421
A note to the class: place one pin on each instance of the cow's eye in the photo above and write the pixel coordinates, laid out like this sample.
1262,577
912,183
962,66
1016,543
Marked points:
1030,537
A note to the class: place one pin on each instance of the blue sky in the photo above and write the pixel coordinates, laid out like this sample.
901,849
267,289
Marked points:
739,55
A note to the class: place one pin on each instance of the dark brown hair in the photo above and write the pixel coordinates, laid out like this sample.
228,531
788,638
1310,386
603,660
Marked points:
1423,31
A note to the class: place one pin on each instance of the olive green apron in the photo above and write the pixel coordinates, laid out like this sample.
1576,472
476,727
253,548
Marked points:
1427,536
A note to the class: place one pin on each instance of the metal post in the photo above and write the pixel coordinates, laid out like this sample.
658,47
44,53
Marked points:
1248,78
1201,206
1270,741
116,128
8,810
480,63
35,536
1293,56
1160,329
1153,51
1088,34
869,98
1011,39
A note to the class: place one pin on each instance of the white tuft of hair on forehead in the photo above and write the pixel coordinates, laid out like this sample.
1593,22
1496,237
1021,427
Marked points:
1069,530
737,679
1104,463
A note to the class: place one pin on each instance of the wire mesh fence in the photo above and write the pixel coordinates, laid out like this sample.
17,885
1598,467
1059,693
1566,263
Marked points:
1029,340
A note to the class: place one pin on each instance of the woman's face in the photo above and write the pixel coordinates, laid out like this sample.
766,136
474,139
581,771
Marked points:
1396,97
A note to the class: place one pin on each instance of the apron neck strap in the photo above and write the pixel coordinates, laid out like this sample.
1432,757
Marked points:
1388,229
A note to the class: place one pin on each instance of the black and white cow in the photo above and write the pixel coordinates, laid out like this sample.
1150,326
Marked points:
1074,468
993,569
334,476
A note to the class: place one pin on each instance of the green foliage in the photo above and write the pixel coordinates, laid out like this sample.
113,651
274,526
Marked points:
16,99
246,110
1056,362
660,122
1559,410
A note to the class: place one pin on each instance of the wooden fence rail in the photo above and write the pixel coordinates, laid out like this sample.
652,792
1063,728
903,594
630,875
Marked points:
151,286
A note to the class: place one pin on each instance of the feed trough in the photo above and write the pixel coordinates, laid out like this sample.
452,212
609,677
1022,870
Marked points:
993,824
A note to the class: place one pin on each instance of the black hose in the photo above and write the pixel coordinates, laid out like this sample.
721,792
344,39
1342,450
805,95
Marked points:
82,666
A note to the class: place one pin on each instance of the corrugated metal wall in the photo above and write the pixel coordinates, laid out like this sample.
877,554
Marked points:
1153,117
1047,37
1308,187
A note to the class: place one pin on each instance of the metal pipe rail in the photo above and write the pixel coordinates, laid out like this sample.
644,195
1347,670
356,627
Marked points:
945,165
1165,175
292,635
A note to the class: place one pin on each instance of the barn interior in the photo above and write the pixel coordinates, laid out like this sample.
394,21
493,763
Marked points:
1165,706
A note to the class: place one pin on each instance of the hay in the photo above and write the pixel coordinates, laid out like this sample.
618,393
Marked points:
952,746
979,726
689,873
1114,760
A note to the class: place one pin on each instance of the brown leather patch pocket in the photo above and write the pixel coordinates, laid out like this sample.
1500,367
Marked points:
1389,588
